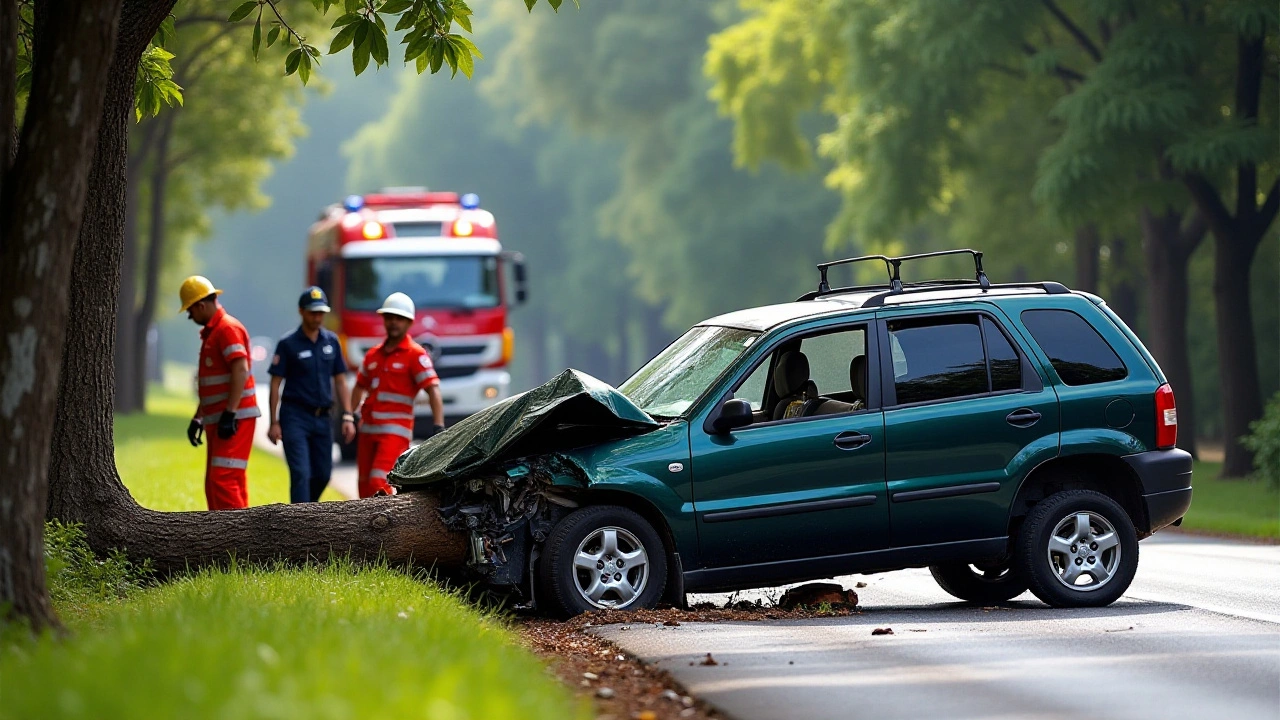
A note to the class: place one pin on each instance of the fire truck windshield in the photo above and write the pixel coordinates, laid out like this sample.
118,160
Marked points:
441,281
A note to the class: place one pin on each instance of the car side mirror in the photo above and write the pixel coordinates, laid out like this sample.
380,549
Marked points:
734,414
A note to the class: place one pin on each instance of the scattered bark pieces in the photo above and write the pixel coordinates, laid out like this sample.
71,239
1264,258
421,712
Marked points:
882,631
708,660
860,585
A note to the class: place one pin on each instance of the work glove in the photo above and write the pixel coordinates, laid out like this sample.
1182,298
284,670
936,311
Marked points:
226,424
194,432
436,430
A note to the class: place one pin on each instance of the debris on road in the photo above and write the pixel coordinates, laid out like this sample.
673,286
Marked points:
882,631
708,660
817,594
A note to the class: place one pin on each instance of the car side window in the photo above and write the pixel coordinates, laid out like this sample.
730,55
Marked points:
1006,366
942,358
830,356
1079,354
752,389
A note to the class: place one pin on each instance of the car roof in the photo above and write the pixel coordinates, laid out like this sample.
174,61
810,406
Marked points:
770,316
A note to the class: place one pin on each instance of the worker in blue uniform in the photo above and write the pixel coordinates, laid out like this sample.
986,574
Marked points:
308,361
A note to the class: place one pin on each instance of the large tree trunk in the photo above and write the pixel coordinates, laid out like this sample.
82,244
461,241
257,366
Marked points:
40,214
127,394
1123,285
1167,249
1088,243
84,486
155,255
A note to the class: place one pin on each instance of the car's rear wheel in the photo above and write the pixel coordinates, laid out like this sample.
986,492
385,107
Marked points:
602,557
985,582
1078,548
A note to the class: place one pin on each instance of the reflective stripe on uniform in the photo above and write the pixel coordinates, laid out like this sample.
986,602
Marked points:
400,430
232,348
380,474
390,415
226,462
219,397
387,397
423,376
241,414
215,379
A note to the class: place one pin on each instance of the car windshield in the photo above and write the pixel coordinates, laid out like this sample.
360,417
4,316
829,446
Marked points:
449,281
674,380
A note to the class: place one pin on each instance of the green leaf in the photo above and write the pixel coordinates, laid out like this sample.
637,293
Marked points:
406,21
464,42
360,58
530,3
378,45
392,7
416,48
291,62
346,20
304,68
422,62
463,62
273,36
377,19
344,38
555,4
313,51
257,35
243,11
437,57
451,57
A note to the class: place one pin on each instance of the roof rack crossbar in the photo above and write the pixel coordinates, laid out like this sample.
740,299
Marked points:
893,266
1050,288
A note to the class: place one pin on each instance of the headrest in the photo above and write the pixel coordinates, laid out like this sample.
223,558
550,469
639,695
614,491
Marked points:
791,373
810,390
858,377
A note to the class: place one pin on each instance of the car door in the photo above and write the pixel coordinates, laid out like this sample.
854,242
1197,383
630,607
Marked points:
803,487
966,415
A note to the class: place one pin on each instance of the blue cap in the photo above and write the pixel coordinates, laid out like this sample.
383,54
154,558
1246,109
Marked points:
470,201
314,300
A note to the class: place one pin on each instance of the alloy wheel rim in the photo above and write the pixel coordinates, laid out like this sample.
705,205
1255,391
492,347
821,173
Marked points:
1084,551
610,568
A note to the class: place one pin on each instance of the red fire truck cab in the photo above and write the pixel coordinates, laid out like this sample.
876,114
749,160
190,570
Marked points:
442,251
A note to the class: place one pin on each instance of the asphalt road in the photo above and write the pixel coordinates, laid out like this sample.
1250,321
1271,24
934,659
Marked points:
1198,635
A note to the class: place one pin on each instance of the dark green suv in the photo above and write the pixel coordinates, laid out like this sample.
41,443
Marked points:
1007,436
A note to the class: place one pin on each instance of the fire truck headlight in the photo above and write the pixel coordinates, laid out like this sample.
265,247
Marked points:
490,392
463,228
372,230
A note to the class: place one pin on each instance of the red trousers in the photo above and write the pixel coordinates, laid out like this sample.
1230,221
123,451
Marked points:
225,485
375,456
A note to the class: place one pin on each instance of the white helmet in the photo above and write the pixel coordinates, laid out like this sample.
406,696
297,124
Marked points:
397,304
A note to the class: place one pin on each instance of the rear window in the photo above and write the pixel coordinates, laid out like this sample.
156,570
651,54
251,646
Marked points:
1079,354
937,358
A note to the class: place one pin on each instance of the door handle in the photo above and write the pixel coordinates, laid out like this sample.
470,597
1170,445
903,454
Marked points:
851,440
1023,417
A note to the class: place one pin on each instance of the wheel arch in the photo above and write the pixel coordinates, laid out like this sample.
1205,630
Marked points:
1100,472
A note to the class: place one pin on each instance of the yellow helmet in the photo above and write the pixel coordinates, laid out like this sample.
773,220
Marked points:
194,289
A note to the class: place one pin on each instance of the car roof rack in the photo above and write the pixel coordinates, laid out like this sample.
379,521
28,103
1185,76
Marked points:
895,286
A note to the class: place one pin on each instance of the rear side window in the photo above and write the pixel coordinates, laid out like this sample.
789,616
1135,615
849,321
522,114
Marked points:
1079,354
937,358
1006,366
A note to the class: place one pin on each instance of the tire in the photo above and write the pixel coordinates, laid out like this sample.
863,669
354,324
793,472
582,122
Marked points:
983,583
1049,547
568,586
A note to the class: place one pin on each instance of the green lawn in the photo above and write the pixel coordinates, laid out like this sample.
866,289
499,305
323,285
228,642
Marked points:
1235,507
328,643
164,472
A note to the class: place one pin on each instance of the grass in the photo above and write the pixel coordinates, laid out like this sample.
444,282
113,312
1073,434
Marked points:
1233,507
328,643
163,471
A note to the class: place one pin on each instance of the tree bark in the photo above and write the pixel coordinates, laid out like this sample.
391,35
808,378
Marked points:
8,83
84,485
1088,243
126,393
40,215
1167,249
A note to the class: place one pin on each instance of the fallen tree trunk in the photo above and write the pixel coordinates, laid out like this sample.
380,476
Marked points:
84,486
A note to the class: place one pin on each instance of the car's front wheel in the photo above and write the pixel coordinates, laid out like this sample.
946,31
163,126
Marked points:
987,582
1078,548
602,557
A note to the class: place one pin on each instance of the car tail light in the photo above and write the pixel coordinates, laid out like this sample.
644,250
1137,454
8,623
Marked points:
1166,418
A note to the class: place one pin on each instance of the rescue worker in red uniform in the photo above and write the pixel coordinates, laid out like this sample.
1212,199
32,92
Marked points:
228,404
390,377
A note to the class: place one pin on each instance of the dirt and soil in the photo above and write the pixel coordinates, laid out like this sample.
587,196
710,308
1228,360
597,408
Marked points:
625,688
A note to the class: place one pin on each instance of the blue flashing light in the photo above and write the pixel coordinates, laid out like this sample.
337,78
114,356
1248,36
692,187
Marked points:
470,201
353,203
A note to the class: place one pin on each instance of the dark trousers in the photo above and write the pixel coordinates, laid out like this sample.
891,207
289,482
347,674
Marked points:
308,448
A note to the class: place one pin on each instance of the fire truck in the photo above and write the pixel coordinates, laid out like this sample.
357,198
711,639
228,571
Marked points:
442,250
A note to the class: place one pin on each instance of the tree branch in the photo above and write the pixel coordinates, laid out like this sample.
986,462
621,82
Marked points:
1059,70
1269,207
1074,29
1006,70
1210,204
1191,234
